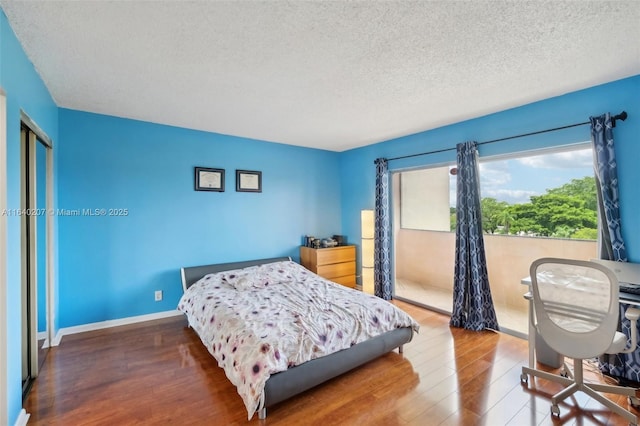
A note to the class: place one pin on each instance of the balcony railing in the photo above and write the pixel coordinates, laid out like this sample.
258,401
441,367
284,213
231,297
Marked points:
424,265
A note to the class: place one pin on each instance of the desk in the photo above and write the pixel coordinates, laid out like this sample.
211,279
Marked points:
627,298
531,336
624,298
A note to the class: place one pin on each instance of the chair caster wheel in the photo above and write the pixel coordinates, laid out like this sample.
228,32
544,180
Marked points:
634,402
524,378
564,373
555,410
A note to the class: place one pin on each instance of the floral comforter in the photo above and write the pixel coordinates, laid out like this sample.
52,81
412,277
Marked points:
264,319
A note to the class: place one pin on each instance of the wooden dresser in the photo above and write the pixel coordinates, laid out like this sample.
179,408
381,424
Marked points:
337,264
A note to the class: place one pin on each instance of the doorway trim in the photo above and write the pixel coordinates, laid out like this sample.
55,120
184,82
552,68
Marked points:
33,126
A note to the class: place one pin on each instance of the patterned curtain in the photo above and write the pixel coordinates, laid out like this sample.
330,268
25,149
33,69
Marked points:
382,234
611,245
606,170
472,302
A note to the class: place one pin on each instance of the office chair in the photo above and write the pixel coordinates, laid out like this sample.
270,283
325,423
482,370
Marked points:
576,309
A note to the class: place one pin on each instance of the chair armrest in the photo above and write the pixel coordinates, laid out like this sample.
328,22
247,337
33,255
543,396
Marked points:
632,314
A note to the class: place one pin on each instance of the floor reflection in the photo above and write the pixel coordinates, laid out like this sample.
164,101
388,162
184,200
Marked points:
442,300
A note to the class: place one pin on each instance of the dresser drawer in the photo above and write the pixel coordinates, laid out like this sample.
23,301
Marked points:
337,270
348,281
337,264
335,255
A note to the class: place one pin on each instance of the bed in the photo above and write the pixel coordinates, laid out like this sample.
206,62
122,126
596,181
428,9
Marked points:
223,304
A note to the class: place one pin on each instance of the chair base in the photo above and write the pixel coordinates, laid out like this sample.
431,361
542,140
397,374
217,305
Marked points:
576,383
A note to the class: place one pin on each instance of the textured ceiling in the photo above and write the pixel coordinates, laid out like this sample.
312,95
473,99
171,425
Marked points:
332,75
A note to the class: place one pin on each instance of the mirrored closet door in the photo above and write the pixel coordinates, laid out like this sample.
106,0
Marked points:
35,233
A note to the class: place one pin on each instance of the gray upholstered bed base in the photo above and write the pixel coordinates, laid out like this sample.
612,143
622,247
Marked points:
298,379
295,380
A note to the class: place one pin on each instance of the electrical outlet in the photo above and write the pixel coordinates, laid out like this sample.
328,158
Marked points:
158,295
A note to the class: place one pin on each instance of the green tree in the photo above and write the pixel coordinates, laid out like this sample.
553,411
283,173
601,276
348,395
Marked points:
525,219
563,231
505,218
568,211
585,234
563,210
491,212
584,188
452,218
556,213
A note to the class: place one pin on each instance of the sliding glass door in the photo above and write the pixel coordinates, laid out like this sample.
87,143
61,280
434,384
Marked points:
534,204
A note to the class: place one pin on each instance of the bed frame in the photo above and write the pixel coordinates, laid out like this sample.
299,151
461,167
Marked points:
295,380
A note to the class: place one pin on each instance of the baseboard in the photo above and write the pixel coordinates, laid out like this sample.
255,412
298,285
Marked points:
111,323
42,335
57,338
23,418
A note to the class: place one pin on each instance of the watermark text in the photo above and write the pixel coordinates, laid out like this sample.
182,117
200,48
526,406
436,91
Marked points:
66,212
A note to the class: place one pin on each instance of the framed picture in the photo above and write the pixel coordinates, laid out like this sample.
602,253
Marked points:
208,179
248,181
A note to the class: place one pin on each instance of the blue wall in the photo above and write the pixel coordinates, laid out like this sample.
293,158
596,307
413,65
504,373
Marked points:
357,171
111,266
25,90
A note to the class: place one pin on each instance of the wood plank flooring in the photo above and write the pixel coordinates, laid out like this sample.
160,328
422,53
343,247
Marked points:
159,373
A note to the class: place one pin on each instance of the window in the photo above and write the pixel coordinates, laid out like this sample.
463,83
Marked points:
543,194
534,204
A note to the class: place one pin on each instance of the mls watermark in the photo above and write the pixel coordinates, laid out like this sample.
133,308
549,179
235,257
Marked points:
65,212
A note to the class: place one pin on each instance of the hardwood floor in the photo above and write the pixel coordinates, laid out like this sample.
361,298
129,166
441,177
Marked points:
160,373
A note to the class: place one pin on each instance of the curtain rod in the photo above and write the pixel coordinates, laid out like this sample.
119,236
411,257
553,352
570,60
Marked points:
622,116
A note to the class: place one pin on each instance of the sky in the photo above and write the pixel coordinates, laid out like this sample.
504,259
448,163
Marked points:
514,180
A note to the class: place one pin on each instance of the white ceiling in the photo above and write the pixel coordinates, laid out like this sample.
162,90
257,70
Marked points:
331,75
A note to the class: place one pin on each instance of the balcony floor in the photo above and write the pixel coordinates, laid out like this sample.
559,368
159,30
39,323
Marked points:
509,318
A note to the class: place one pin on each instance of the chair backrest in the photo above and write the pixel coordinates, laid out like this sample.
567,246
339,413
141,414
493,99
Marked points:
576,305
